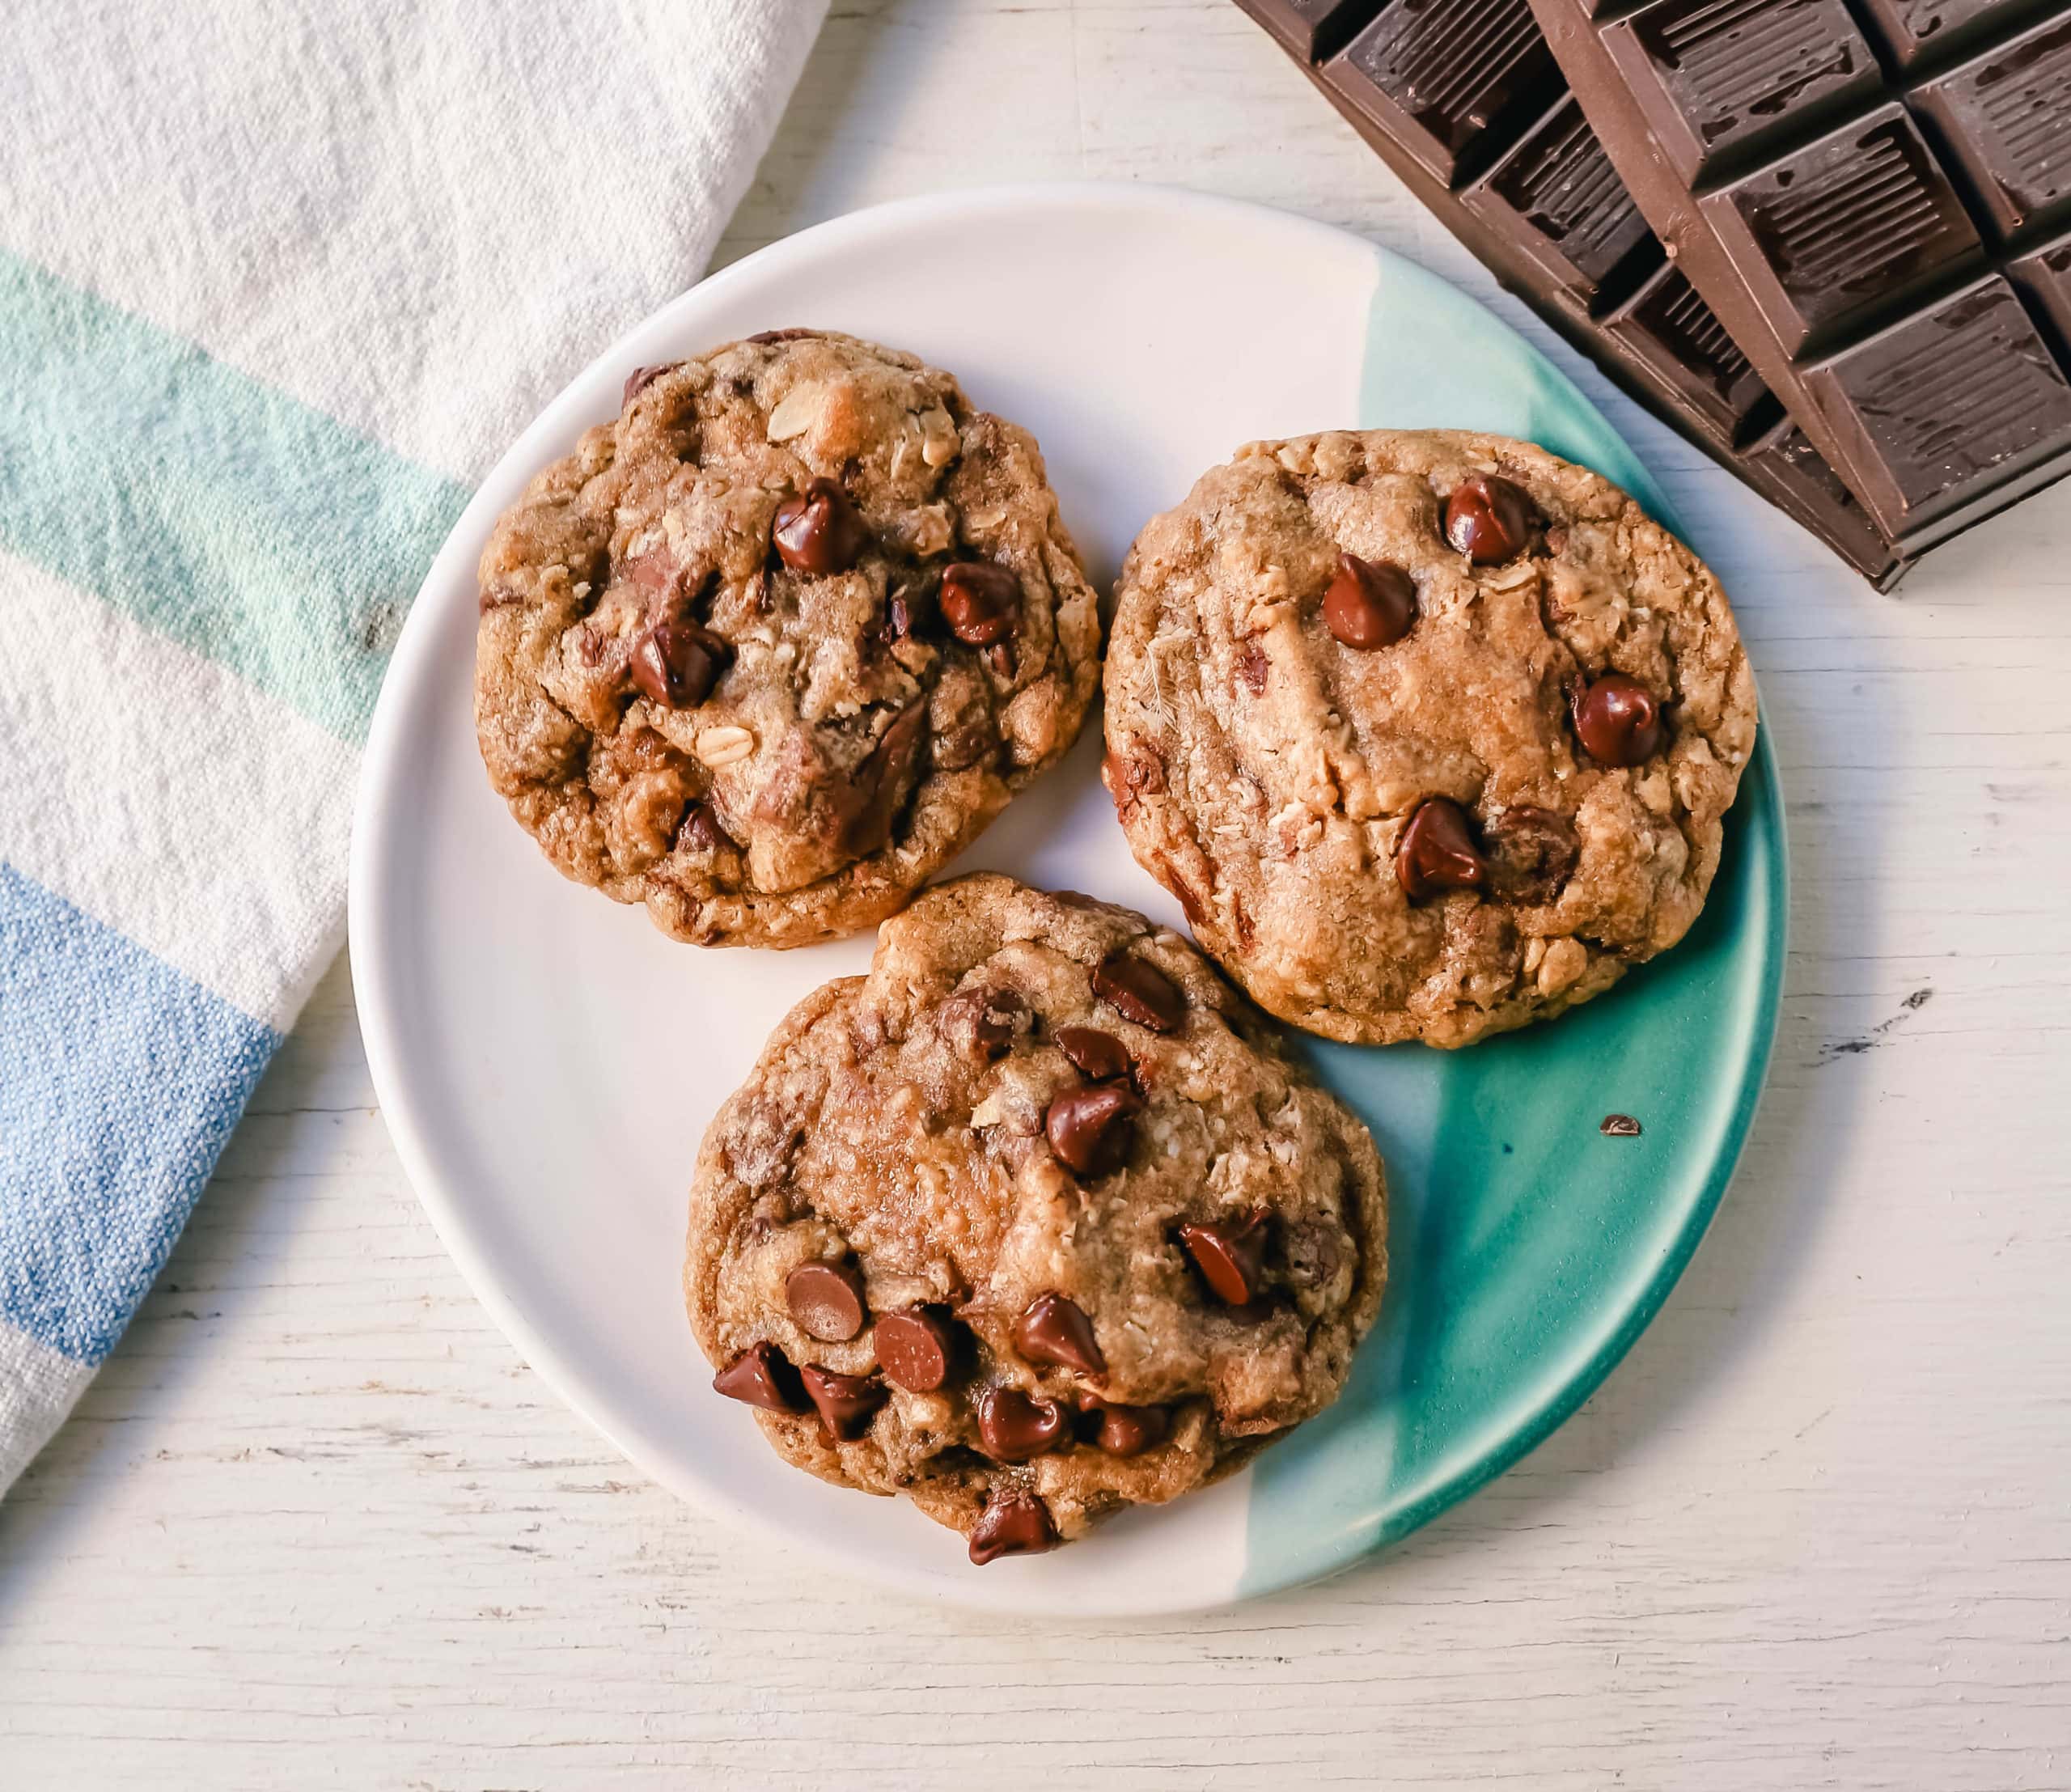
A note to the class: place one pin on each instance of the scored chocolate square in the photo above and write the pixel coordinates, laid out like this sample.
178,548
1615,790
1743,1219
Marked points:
1956,395
2006,117
1858,219
1714,76
2044,278
1443,74
1463,100
1859,190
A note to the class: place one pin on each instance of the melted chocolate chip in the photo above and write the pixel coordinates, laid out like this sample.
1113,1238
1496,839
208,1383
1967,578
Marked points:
781,335
641,378
1055,1331
1533,853
1141,991
1190,898
819,531
1253,667
656,575
1092,1128
1620,1126
910,609
1437,852
1128,778
827,1300
869,804
917,1348
762,1376
700,832
845,1402
676,664
980,602
1101,1056
1014,1523
980,1023
1119,1430
1370,603
1141,772
1017,1427
1231,1259
1489,518
1618,720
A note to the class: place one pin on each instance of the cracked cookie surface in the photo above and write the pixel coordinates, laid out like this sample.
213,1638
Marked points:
1430,732
770,648
1034,1222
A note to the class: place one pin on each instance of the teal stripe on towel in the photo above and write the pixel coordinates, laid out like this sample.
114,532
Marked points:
226,514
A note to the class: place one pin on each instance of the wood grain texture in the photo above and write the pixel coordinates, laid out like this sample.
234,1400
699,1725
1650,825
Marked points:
314,1525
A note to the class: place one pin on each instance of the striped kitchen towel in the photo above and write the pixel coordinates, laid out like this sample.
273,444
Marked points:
277,281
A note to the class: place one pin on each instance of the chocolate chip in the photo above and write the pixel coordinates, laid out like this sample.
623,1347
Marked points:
1190,898
1092,1128
916,1348
1014,1523
1620,1126
869,803
980,602
1231,1259
1000,657
699,832
1253,667
974,740
909,609
1532,852
676,664
827,1300
845,1402
1489,518
781,335
1015,1427
762,1376
1370,603
1055,1331
1120,1430
980,1023
1142,772
1101,1056
641,378
819,531
1618,720
655,574
1141,991
1130,778
1437,852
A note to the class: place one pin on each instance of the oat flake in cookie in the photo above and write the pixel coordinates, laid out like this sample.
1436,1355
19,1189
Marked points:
766,651
1430,732
1032,1222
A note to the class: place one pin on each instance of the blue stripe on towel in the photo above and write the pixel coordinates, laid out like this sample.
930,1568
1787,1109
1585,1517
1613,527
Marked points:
242,523
121,1080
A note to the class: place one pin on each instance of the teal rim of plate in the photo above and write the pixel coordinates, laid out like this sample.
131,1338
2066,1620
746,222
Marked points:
1527,1251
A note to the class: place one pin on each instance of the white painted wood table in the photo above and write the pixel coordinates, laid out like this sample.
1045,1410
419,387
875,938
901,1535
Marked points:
316,1525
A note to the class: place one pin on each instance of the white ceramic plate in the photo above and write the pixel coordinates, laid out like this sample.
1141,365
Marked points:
547,1061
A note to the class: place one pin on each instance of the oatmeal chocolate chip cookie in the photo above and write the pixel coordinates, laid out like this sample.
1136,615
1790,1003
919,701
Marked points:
1032,1222
1430,732
767,650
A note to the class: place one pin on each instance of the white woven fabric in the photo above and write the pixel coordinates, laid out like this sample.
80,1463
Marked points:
278,278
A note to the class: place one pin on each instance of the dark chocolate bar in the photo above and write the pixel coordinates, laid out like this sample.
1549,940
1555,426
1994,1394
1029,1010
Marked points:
1463,98
1876,200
